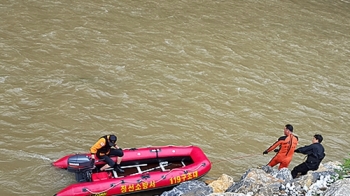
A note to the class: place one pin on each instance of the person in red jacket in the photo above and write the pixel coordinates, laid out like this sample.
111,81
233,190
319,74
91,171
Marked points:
287,145
104,148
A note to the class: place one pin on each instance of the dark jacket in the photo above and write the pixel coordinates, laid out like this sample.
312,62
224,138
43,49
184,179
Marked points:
315,154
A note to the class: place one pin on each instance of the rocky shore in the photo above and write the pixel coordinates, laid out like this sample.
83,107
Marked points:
267,181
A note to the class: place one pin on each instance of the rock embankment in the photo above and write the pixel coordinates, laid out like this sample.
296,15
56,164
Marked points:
267,181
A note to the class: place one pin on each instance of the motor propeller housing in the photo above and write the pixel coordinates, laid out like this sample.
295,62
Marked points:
81,165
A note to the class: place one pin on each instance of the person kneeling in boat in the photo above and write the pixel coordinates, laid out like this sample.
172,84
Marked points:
104,148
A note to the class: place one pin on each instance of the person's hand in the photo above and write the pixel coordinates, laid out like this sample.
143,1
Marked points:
265,152
93,156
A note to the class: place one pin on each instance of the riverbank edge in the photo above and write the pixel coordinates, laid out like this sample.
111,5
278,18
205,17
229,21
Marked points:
325,181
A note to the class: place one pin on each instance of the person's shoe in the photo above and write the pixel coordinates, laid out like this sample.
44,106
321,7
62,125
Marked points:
118,168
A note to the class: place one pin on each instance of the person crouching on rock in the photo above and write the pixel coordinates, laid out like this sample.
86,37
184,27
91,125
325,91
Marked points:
287,145
103,150
315,154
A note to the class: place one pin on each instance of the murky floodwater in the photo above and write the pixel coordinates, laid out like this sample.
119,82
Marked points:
223,75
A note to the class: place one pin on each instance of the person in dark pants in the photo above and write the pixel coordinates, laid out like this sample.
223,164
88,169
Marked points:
104,148
315,154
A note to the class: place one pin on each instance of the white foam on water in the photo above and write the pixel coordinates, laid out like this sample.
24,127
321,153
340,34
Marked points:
2,79
33,156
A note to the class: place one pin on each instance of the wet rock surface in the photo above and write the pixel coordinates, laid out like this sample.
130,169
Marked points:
269,181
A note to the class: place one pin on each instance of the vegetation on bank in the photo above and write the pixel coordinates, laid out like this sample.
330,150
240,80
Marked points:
344,170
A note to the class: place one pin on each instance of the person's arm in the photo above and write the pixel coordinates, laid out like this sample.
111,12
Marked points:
275,145
304,150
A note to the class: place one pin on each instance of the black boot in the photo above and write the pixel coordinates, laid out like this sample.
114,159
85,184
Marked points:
118,168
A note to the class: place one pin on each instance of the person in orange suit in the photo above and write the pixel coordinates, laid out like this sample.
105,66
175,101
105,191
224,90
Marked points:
285,152
104,148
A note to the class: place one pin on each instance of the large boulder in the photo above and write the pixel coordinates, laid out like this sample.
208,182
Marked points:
339,188
258,182
221,184
190,188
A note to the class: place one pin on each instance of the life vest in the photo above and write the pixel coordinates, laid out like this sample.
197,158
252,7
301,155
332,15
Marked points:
106,148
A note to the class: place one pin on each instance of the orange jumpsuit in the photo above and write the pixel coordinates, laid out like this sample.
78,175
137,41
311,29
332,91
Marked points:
287,145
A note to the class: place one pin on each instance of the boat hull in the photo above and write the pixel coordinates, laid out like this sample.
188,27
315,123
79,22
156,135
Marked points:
174,165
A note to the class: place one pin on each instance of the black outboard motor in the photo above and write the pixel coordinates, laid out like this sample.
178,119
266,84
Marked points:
81,165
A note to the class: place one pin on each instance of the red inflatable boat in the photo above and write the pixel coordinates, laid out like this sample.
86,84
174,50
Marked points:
145,169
